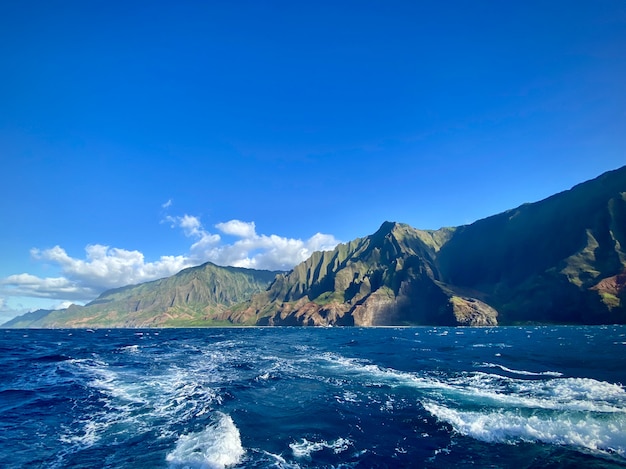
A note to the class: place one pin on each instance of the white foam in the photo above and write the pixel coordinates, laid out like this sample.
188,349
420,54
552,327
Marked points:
571,394
132,402
348,396
490,345
130,348
91,432
305,448
522,372
580,430
216,447
279,462
575,394
580,412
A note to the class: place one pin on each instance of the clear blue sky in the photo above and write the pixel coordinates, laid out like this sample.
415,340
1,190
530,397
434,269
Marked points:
141,137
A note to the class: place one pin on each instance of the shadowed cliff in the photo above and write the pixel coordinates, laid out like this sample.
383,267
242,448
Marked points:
561,260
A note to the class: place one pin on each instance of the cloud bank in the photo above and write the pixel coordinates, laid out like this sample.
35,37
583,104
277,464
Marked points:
250,250
105,267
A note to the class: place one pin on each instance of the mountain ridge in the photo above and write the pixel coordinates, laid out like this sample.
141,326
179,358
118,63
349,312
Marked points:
191,297
510,258
387,278
561,260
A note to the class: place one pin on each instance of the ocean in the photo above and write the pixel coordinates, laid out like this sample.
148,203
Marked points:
522,397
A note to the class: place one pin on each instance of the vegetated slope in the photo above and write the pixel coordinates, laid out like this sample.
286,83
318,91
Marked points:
388,278
191,297
560,260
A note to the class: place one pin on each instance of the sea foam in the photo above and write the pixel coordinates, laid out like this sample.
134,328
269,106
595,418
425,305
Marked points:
305,448
585,431
522,372
216,447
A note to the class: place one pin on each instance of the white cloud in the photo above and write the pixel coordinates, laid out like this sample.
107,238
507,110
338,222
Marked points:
104,267
271,252
50,287
167,204
191,225
84,279
238,228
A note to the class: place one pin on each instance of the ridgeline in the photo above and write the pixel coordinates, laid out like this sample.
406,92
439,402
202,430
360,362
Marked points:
558,261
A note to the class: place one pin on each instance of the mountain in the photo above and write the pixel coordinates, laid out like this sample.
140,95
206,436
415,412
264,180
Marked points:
26,319
194,296
561,260
388,278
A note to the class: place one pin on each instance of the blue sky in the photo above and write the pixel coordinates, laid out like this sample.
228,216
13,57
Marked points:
138,138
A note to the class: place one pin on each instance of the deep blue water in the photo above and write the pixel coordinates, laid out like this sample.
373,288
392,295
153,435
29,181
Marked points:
302,397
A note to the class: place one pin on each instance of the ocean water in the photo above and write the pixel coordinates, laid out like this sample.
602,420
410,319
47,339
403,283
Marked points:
523,397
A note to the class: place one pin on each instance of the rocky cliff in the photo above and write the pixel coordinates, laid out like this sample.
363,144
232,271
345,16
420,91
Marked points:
388,278
561,260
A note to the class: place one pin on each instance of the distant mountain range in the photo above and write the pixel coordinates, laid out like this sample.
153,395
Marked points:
192,297
560,261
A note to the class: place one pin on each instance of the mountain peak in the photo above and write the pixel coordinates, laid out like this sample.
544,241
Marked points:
387,226
559,260
392,227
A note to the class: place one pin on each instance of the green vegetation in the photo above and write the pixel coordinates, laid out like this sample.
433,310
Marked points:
557,261
610,300
197,296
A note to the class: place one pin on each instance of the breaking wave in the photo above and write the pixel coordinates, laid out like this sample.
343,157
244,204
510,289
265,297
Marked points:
522,372
577,412
509,426
216,447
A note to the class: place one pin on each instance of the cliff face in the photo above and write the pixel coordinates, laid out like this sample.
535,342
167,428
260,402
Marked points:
561,260
388,278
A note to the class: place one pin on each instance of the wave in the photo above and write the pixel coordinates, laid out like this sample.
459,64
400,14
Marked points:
299,400
511,426
130,348
305,448
575,394
577,412
490,345
216,447
50,358
126,401
522,372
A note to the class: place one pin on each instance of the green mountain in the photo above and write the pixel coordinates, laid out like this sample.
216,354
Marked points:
561,260
192,297
388,278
